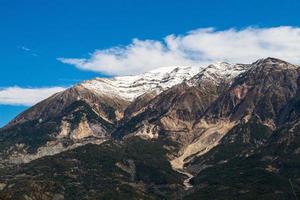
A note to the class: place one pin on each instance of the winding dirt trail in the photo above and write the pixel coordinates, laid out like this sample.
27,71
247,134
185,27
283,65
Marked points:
186,182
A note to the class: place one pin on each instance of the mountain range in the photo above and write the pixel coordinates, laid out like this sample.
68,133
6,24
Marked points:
224,131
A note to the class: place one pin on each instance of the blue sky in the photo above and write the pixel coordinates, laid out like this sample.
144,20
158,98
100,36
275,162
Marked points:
34,34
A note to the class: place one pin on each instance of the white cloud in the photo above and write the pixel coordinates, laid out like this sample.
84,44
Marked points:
25,48
197,47
28,50
26,96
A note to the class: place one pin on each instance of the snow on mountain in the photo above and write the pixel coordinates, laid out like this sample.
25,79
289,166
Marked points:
158,80
130,87
218,72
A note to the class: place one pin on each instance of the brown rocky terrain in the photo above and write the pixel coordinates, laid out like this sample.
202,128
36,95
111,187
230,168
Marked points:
230,131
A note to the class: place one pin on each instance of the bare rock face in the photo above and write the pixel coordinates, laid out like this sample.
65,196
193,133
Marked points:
263,90
138,105
68,118
82,131
56,105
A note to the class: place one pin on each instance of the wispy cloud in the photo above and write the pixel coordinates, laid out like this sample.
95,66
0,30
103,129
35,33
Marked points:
28,50
25,48
197,47
26,96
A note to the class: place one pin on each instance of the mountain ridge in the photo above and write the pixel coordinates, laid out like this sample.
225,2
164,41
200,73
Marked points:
224,116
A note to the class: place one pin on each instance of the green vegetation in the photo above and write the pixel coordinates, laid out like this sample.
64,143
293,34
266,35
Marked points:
94,172
30,133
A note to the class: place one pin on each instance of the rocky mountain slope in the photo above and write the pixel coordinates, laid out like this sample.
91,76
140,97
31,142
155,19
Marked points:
225,131
85,113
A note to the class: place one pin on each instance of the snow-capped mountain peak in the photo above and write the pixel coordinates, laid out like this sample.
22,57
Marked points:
130,87
218,72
